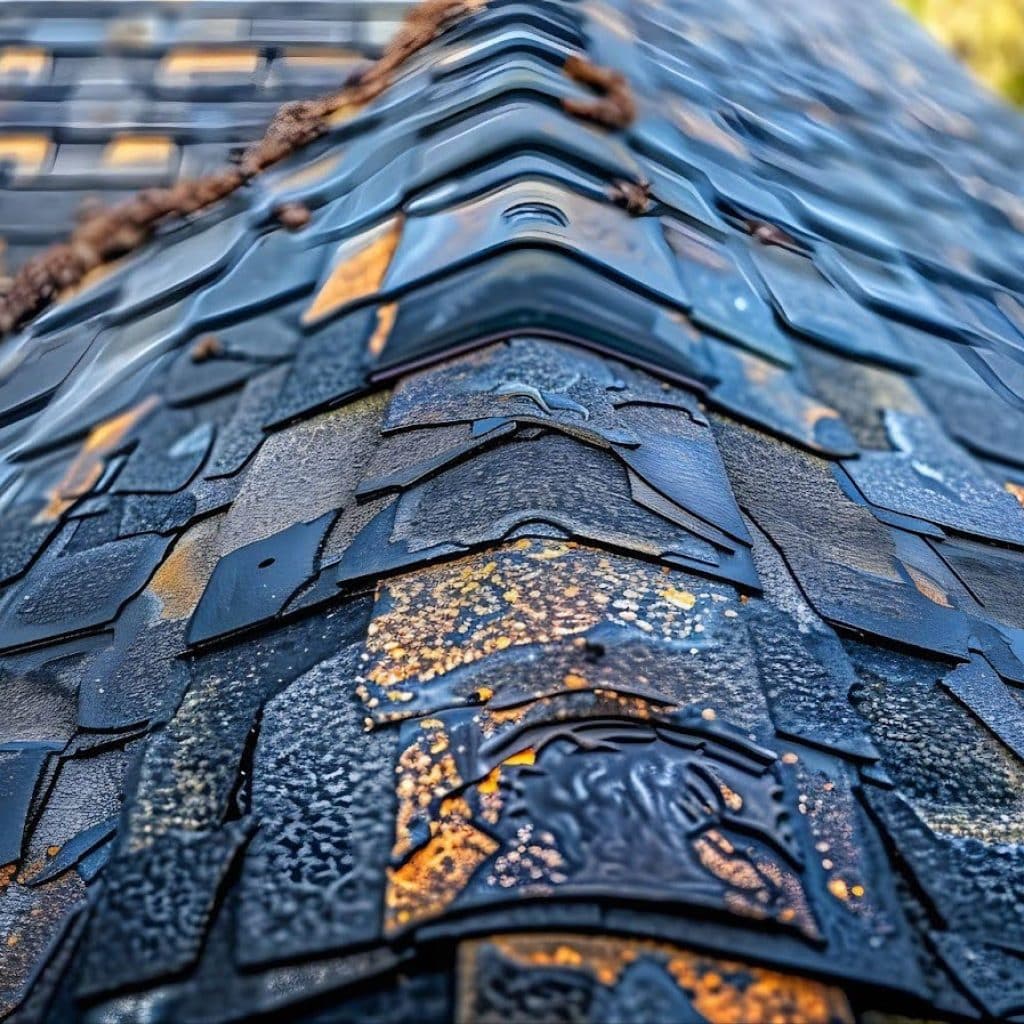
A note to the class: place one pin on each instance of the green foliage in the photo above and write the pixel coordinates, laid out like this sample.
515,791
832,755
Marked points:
987,34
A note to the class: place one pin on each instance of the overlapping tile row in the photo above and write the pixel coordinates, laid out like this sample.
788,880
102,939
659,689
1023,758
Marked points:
99,99
581,560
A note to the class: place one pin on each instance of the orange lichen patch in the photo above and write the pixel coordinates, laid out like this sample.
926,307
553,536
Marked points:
87,466
426,770
432,878
28,153
386,314
928,587
493,780
187,62
530,592
26,62
723,991
614,107
527,756
758,886
138,151
1017,490
697,125
359,270
732,799
844,892
434,874
181,579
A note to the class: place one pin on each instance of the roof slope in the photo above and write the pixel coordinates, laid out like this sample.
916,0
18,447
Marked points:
560,530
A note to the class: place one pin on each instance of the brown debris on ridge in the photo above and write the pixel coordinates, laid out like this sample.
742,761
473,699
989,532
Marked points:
293,216
105,233
614,107
634,196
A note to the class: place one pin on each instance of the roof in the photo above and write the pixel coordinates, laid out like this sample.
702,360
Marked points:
560,527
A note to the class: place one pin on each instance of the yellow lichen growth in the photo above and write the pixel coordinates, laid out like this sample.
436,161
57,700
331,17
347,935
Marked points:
680,598
531,592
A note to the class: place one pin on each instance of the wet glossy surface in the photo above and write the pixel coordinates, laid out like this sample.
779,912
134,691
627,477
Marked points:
607,593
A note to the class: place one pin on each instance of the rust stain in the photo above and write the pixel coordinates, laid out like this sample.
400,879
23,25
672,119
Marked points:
322,56
87,466
89,280
209,346
1017,490
723,991
361,265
